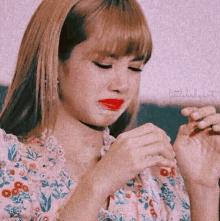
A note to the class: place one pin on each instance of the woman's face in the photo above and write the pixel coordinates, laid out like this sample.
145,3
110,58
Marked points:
98,90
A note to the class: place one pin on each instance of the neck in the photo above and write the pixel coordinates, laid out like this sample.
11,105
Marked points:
77,137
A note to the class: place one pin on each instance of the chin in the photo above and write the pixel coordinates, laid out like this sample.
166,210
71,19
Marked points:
103,121
110,120
103,124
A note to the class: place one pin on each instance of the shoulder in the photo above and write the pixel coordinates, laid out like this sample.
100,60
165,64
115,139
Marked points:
31,180
14,188
7,138
16,162
9,146
12,149
17,159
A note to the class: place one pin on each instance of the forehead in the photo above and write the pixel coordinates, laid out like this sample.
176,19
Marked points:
112,29
92,49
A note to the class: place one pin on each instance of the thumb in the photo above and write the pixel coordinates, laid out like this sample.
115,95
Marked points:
185,131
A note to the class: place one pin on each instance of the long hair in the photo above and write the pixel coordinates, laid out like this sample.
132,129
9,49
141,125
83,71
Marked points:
54,30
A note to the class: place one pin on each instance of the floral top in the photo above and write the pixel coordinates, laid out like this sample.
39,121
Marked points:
34,186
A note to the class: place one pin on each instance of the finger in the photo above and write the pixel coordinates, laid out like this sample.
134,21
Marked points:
185,131
188,110
147,141
169,139
159,161
159,149
143,130
208,121
150,139
216,128
203,112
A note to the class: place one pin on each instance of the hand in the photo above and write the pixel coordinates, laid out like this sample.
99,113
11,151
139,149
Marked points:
132,152
197,146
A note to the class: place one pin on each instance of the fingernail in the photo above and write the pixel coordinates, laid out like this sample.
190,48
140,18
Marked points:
195,126
208,132
192,134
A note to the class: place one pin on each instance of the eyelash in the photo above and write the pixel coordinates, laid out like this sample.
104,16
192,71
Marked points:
110,66
102,65
135,69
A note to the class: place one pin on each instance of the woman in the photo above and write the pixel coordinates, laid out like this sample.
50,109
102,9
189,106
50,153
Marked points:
78,73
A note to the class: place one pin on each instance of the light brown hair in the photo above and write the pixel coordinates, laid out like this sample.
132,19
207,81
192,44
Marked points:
120,28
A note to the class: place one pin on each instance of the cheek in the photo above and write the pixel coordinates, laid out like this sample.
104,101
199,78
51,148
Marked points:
134,85
89,79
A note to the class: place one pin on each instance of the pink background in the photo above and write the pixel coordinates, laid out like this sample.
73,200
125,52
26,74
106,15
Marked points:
185,66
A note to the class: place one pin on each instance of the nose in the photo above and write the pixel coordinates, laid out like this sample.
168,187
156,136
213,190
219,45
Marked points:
119,82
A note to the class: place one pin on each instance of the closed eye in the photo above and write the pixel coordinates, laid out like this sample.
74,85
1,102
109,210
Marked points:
102,65
135,69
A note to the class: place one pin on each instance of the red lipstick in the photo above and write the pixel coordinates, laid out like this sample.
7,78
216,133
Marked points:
113,104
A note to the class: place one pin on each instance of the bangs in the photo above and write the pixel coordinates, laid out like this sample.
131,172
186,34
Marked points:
119,31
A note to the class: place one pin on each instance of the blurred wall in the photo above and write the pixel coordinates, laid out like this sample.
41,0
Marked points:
185,64
14,17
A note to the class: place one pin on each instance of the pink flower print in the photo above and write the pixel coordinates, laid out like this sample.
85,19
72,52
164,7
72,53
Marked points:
128,195
42,176
60,163
24,162
45,218
21,173
25,188
37,209
51,144
51,147
60,151
164,172
12,172
32,166
18,185
43,164
15,192
52,140
138,193
34,218
153,213
6,193
151,203
52,154
172,172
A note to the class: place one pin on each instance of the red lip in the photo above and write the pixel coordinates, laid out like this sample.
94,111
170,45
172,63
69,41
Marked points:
113,104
